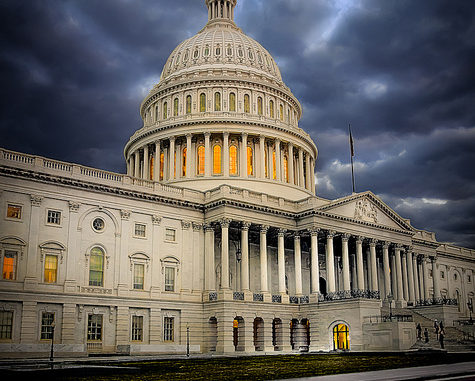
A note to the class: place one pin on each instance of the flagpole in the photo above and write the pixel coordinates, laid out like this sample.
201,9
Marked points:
352,153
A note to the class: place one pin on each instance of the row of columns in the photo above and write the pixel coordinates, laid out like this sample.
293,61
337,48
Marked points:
303,175
220,9
409,282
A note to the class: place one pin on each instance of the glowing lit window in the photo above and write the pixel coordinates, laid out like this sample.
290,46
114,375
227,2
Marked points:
274,174
341,337
266,160
233,160
96,267
217,160
165,110
175,107
281,113
14,211
259,106
201,160
286,169
247,104
232,102
174,165
162,164
152,166
250,167
202,102
51,268
271,108
183,171
217,102
9,265
188,104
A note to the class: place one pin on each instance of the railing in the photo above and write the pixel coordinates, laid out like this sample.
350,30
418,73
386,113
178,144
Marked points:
213,296
374,319
238,295
437,302
276,298
304,299
258,297
57,165
18,157
96,346
353,294
98,174
293,300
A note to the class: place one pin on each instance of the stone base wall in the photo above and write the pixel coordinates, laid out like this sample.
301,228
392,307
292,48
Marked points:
389,336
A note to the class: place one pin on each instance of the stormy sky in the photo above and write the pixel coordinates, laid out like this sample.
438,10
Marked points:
402,72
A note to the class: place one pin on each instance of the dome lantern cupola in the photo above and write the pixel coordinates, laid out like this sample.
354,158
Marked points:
220,9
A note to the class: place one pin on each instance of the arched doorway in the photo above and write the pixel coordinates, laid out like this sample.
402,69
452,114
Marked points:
341,337
238,334
277,334
212,334
258,334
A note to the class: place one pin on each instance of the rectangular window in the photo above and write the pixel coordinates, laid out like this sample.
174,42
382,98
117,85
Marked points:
14,211
137,328
138,276
170,234
6,325
442,275
54,217
469,278
168,329
47,319
140,230
51,268
9,264
94,328
169,279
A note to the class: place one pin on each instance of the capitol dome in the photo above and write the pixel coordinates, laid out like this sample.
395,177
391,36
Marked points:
221,115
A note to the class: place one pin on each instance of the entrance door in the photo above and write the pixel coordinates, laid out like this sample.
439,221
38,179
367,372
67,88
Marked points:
341,337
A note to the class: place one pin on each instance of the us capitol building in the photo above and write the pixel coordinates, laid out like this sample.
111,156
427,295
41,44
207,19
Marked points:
215,236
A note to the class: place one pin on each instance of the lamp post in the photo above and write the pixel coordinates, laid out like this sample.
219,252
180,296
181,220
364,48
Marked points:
470,308
187,341
51,357
390,301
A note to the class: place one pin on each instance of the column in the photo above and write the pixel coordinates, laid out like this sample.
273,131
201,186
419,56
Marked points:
315,271
387,272
307,168
374,269
400,296
435,279
281,260
136,163
73,253
225,253
301,177
425,274
146,161
359,263
207,154
156,163
405,285
331,287
189,153
32,260
245,256
298,265
346,264
243,161
262,155
263,257
410,276
210,275
171,160
225,163
278,166
417,291
291,164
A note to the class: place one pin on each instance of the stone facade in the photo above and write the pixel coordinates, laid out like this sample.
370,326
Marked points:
225,249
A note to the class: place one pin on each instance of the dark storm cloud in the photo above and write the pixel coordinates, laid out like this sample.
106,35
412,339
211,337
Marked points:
73,74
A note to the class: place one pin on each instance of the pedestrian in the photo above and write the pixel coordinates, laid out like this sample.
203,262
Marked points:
436,329
419,331
426,335
441,338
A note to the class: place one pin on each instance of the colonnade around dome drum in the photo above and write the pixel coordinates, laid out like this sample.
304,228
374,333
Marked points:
224,154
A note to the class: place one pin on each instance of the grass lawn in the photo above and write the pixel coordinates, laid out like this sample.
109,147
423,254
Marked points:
253,367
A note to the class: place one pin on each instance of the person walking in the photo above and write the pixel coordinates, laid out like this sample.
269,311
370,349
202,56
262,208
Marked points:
426,335
419,331
441,338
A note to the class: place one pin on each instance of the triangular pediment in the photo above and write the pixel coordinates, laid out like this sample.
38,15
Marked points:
368,208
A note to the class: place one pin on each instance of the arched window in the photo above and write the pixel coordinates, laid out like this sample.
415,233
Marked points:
274,169
233,160
165,110
201,160
341,337
250,167
232,102
281,113
217,160
96,267
188,104
259,105
271,108
217,101
183,172
162,162
286,169
175,107
203,102
247,104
